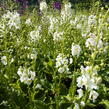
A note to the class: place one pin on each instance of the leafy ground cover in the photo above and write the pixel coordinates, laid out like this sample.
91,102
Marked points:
54,58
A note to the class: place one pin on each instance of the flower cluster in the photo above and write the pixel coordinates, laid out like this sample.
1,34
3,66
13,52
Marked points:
43,6
26,75
4,60
66,12
62,63
57,36
92,20
13,19
35,34
93,42
90,80
53,24
28,21
76,49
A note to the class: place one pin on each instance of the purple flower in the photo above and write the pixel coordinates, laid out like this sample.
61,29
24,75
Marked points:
19,0
57,5
25,4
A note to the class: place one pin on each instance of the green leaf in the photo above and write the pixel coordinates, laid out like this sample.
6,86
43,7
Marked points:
106,102
64,105
40,105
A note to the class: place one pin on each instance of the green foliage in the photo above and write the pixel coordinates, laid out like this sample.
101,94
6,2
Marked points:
55,60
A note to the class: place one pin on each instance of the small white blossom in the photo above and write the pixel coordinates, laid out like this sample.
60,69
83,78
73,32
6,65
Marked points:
43,6
92,20
80,92
66,13
71,60
76,49
61,70
35,34
82,103
57,36
12,60
93,95
88,78
38,86
93,42
13,19
26,75
54,24
28,21
4,60
62,63
33,55
76,106
79,26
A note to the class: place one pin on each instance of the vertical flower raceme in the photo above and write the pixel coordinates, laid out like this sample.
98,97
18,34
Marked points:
35,35
76,49
26,75
62,64
80,92
93,95
66,13
43,6
33,55
54,24
4,60
90,80
12,19
92,20
57,36
93,42
28,21
76,106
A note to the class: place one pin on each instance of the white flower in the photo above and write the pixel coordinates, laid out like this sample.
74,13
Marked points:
80,92
76,106
82,103
67,6
84,34
38,86
90,42
62,63
79,26
20,71
61,60
93,95
93,42
43,6
35,35
92,20
71,60
13,19
12,60
76,49
26,75
88,70
54,24
66,13
88,78
4,60
28,21
32,55
87,81
57,36
61,70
